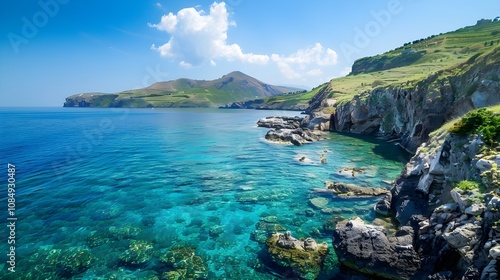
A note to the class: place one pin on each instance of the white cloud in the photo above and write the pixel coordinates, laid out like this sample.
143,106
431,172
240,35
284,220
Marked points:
346,71
303,59
314,72
158,4
196,37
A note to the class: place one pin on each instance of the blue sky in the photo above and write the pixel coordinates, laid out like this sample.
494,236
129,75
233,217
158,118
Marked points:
50,49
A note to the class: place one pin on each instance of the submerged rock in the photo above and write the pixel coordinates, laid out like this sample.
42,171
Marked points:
318,202
304,257
350,190
49,263
369,250
183,263
138,252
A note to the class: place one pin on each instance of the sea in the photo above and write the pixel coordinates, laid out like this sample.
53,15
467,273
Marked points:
118,193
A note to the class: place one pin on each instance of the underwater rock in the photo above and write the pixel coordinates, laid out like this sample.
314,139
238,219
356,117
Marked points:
350,190
138,252
269,219
318,202
304,257
49,263
215,231
183,263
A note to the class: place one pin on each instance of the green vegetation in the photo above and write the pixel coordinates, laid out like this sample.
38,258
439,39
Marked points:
235,86
440,56
470,185
474,190
481,121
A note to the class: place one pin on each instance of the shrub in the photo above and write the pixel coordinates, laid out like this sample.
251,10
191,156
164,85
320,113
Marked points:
480,121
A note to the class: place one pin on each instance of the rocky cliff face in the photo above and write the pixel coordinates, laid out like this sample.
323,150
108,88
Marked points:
410,113
449,194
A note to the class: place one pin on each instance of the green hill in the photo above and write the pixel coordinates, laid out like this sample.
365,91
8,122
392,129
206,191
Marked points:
410,64
235,86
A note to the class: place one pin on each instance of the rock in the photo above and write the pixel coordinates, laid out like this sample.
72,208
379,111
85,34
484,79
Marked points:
490,272
494,203
368,249
494,252
350,190
183,261
318,202
310,212
280,122
297,136
305,258
458,199
463,238
215,231
484,165
383,206
475,209
139,252
270,219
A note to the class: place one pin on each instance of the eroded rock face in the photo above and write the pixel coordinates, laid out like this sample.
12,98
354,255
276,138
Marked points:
410,114
367,248
304,257
296,136
280,122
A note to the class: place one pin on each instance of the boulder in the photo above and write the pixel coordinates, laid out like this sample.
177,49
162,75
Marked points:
350,190
494,252
475,209
280,122
367,249
304,257
297,136
464,238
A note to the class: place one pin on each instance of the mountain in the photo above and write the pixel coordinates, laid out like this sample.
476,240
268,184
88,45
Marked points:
235,86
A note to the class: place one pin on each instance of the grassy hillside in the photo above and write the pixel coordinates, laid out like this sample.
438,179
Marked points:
406,66
235,86
436,54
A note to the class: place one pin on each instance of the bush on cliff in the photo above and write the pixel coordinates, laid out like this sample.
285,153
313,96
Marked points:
480,121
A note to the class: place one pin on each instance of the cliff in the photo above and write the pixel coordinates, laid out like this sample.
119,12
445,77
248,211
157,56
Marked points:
410,113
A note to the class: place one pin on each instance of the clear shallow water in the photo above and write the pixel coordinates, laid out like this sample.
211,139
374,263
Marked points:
95,180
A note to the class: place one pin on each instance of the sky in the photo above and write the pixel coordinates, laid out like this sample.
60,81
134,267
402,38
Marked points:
50,49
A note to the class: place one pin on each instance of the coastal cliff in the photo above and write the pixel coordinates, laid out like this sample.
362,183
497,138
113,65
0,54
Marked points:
409,112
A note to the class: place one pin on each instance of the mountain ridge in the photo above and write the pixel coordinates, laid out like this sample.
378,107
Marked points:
183,92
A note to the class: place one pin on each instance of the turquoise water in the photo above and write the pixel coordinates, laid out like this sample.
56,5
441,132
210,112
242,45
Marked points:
91,182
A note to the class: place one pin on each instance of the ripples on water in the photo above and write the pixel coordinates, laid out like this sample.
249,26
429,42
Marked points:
96,182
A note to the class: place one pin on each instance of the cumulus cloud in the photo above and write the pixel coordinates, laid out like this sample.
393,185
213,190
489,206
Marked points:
196,37
304,58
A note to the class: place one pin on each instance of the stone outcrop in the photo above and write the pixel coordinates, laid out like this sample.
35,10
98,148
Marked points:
296,136
351,190
368,249
304,257
281,122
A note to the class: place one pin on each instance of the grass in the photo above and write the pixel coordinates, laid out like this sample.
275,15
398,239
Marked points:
443,55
